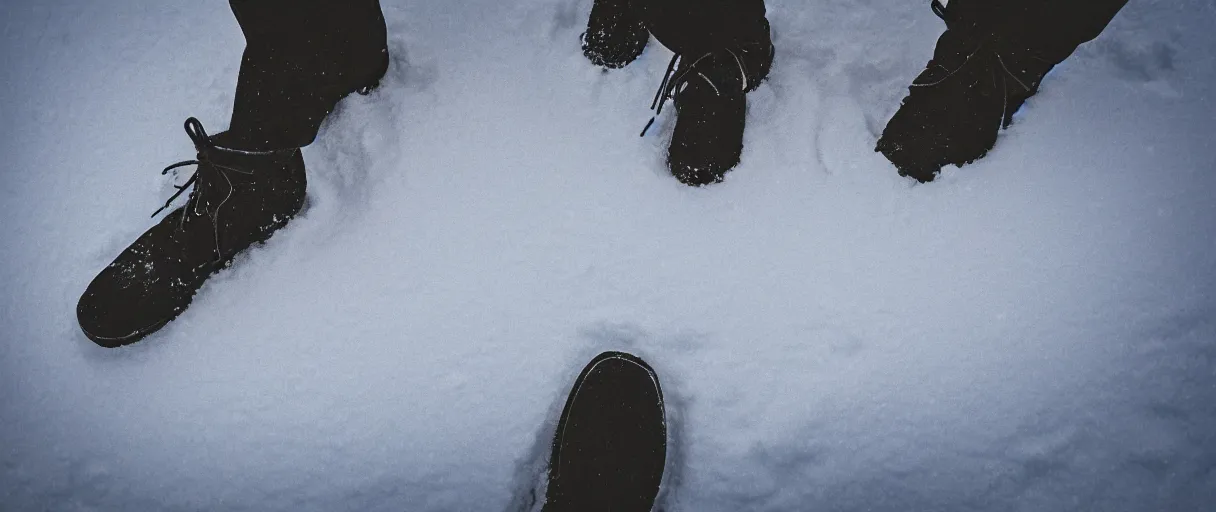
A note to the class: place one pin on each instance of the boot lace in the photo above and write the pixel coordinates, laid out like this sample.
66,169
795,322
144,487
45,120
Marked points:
207,174
204,146
674,80
940,10
952,23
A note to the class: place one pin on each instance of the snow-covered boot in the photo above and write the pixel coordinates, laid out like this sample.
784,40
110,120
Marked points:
990,60
239,198
610,447
615,34
302,57
709,91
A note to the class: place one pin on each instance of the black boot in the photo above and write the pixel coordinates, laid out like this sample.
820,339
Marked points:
611,442
615,34
709,91
301,58
239,198
990,60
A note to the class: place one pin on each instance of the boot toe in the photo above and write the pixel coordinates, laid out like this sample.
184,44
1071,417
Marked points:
611,443
708,138
921,166
615,36
116,311
138,293
699,174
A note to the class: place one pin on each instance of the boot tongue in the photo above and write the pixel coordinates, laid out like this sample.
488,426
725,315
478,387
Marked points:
719,70
728,71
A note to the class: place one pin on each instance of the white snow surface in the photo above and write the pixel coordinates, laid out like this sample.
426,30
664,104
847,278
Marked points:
1033,332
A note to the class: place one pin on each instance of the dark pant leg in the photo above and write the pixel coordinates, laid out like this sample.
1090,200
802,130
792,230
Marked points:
691,26
1054,29
302,57
1028,37
695,27
1050,29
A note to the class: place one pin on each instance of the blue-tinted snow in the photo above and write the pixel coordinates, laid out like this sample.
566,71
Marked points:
1034,332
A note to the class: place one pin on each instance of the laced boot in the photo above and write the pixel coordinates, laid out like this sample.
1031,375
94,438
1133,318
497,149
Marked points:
615,34
237,198
610,447
709,92
978,78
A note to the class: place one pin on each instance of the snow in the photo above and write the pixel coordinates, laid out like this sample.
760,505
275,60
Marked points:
1034,332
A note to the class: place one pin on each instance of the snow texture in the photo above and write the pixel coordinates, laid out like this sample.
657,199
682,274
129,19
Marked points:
1034,332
